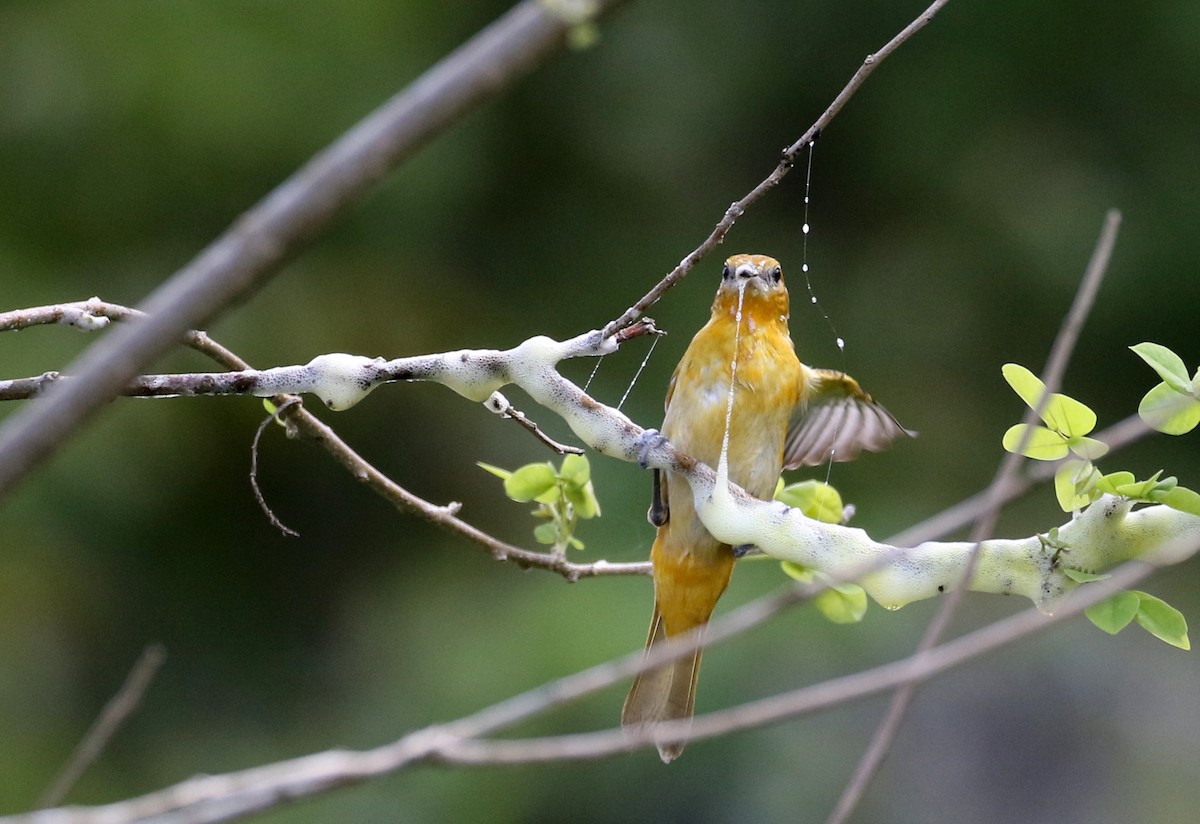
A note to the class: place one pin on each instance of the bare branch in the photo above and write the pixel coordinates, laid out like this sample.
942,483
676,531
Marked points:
87,315
223,797
1060,355
921,666
114,714
302,423
310,427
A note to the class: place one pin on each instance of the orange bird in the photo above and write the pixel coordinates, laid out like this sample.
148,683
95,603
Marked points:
785,415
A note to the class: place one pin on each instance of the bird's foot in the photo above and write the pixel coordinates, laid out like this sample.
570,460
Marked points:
649,440
742,550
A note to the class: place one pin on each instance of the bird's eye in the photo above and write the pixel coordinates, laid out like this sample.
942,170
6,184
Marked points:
726,273
777,274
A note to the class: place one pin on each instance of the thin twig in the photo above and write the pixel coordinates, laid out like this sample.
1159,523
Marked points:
258,496
739,207
255,246
95,309
1060,355
502,407
311,427
114,714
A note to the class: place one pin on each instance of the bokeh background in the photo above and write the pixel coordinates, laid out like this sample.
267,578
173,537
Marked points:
954,204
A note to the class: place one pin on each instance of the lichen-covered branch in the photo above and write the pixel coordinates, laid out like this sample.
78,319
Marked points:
94,314
1104,535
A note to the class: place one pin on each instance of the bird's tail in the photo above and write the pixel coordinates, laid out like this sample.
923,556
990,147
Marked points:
666,693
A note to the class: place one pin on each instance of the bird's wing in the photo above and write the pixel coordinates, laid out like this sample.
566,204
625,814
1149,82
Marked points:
838,420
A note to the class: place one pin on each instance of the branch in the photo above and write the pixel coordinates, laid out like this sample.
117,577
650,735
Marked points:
310,427
302,423
1056,365
120,707
289,217
223,797
739,207
1021,566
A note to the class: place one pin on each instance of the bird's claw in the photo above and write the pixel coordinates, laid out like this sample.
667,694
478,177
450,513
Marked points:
649,440
742,550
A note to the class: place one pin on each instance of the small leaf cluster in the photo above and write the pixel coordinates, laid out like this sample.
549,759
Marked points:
564,496
841,603
1154,615
1068,423
1172,407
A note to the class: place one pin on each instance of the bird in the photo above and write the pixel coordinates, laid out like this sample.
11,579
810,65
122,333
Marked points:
785,414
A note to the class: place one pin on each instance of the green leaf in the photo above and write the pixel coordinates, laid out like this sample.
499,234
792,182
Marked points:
503,474
273,410
1169,411
1087,448
842,603
798,571
583,498
1151,489
1069,416
546,533
1061,413
1162,620
530,482
1114,614
1075,484
1167,364
1081,577
1042,444
816,499
575,470
1024,383
1181,498
1114,481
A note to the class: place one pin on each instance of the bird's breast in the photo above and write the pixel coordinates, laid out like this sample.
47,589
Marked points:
767,389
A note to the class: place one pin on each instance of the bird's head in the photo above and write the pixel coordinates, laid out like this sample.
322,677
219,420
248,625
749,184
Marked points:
760,278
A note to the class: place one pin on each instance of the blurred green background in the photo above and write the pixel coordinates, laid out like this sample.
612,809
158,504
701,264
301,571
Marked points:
954,204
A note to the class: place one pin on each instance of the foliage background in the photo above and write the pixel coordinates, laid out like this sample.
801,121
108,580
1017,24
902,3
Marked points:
955,201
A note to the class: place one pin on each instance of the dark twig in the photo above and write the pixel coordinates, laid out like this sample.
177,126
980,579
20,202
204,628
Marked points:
310,427
114,714
1060,355
502,407
258,496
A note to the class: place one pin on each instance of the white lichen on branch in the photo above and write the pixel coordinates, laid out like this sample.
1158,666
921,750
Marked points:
1104,535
